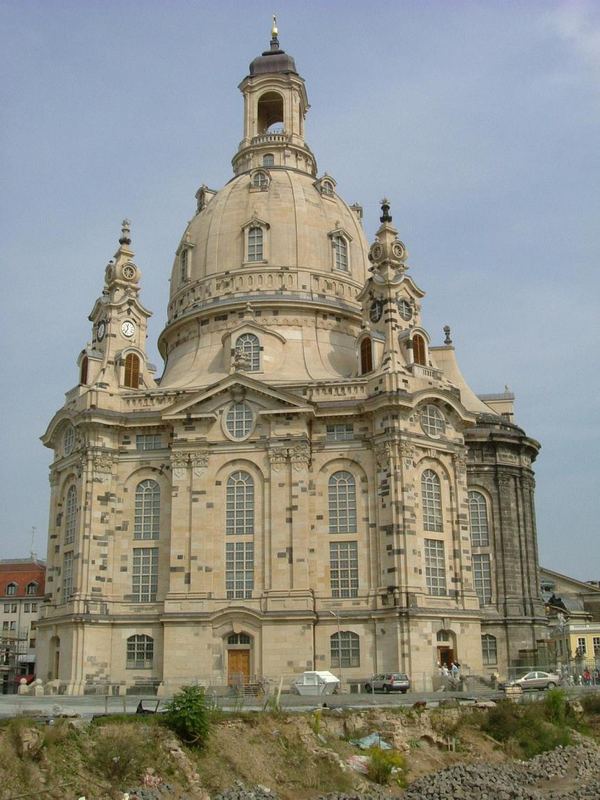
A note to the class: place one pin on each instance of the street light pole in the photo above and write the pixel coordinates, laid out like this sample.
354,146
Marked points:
337,616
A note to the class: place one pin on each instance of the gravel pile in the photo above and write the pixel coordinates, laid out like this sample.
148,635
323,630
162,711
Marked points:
241,792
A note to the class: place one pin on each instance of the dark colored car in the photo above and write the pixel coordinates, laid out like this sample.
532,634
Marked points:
388,682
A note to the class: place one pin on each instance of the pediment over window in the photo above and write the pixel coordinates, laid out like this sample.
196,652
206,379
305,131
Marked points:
236,387
255,222
340,232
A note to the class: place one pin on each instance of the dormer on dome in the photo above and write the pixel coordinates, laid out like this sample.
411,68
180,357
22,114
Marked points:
275,105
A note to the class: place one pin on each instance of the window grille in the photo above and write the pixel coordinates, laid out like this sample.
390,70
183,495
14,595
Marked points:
249,345
239,569
340,432
32,588
259,180
342,503
432,421
147,510
11,589
68,439
435,567
140,652
67,576
345,649
431,500
340,248
269,160
145,574
478,519
71,515
489,649
343,568
240,504
238,420
482,577
148,441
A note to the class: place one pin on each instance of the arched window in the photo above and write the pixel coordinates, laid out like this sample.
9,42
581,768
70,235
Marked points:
489,649
478,518
68,439
269,160
239,420
431,499
432,421
132,371
31,588
327,188
260,180
418,343
83,373
340,249
345,649
269,111
147,510
11,589
249,345
366,355
183,265
255,243
140,652
240,504
342,503
71,515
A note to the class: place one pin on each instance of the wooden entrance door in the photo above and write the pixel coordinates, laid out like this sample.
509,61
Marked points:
445,655
238,667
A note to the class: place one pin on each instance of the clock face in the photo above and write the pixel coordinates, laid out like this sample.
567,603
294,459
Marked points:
128,271
101,330
376,310
399,250
404,309
128,328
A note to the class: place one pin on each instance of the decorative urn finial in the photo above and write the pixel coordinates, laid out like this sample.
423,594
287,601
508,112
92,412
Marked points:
447,340
125,232
385,211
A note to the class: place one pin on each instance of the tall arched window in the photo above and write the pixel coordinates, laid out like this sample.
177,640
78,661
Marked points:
342,503
147,510
478,518
340,248
132,371
184,265
366,355
255,243
71,515
249,345
345,649
418,343
83,374
431,498
240,504
140,652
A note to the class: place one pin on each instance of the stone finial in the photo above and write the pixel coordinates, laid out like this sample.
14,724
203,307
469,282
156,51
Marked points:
447,340
125,232
385,211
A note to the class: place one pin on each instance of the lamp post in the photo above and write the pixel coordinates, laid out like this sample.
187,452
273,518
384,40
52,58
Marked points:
337,616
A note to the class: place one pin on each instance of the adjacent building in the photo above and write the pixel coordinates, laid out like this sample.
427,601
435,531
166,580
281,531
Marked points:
22,587
310,483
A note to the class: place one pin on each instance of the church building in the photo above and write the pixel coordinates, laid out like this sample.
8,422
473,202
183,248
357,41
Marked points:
310,484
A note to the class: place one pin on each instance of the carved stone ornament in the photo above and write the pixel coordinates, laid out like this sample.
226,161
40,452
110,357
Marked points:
240,361
407,451
53,477
300,455
460,459
277,457
383,453
102,464
179,464
199,462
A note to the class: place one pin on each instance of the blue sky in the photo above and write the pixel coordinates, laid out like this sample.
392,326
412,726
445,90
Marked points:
479,120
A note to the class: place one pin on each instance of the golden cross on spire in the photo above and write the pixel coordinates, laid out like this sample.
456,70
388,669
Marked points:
274,31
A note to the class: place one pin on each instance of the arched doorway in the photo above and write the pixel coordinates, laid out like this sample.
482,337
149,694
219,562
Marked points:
239,647
445,648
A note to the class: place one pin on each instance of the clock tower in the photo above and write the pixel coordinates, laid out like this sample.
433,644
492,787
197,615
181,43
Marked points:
116,356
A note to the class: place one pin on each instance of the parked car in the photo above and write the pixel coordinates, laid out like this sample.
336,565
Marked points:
388,682
536,680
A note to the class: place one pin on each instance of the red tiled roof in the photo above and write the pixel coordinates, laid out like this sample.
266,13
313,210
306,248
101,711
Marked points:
22,573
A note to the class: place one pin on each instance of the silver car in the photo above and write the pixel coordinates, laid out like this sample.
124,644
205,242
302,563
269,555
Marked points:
388,682
537,680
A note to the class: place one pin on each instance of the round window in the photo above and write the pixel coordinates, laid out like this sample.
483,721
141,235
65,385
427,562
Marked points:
432,421
404,309
238,420
68,439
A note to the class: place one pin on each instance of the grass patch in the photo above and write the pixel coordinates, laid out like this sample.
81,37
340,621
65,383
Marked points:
386,766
